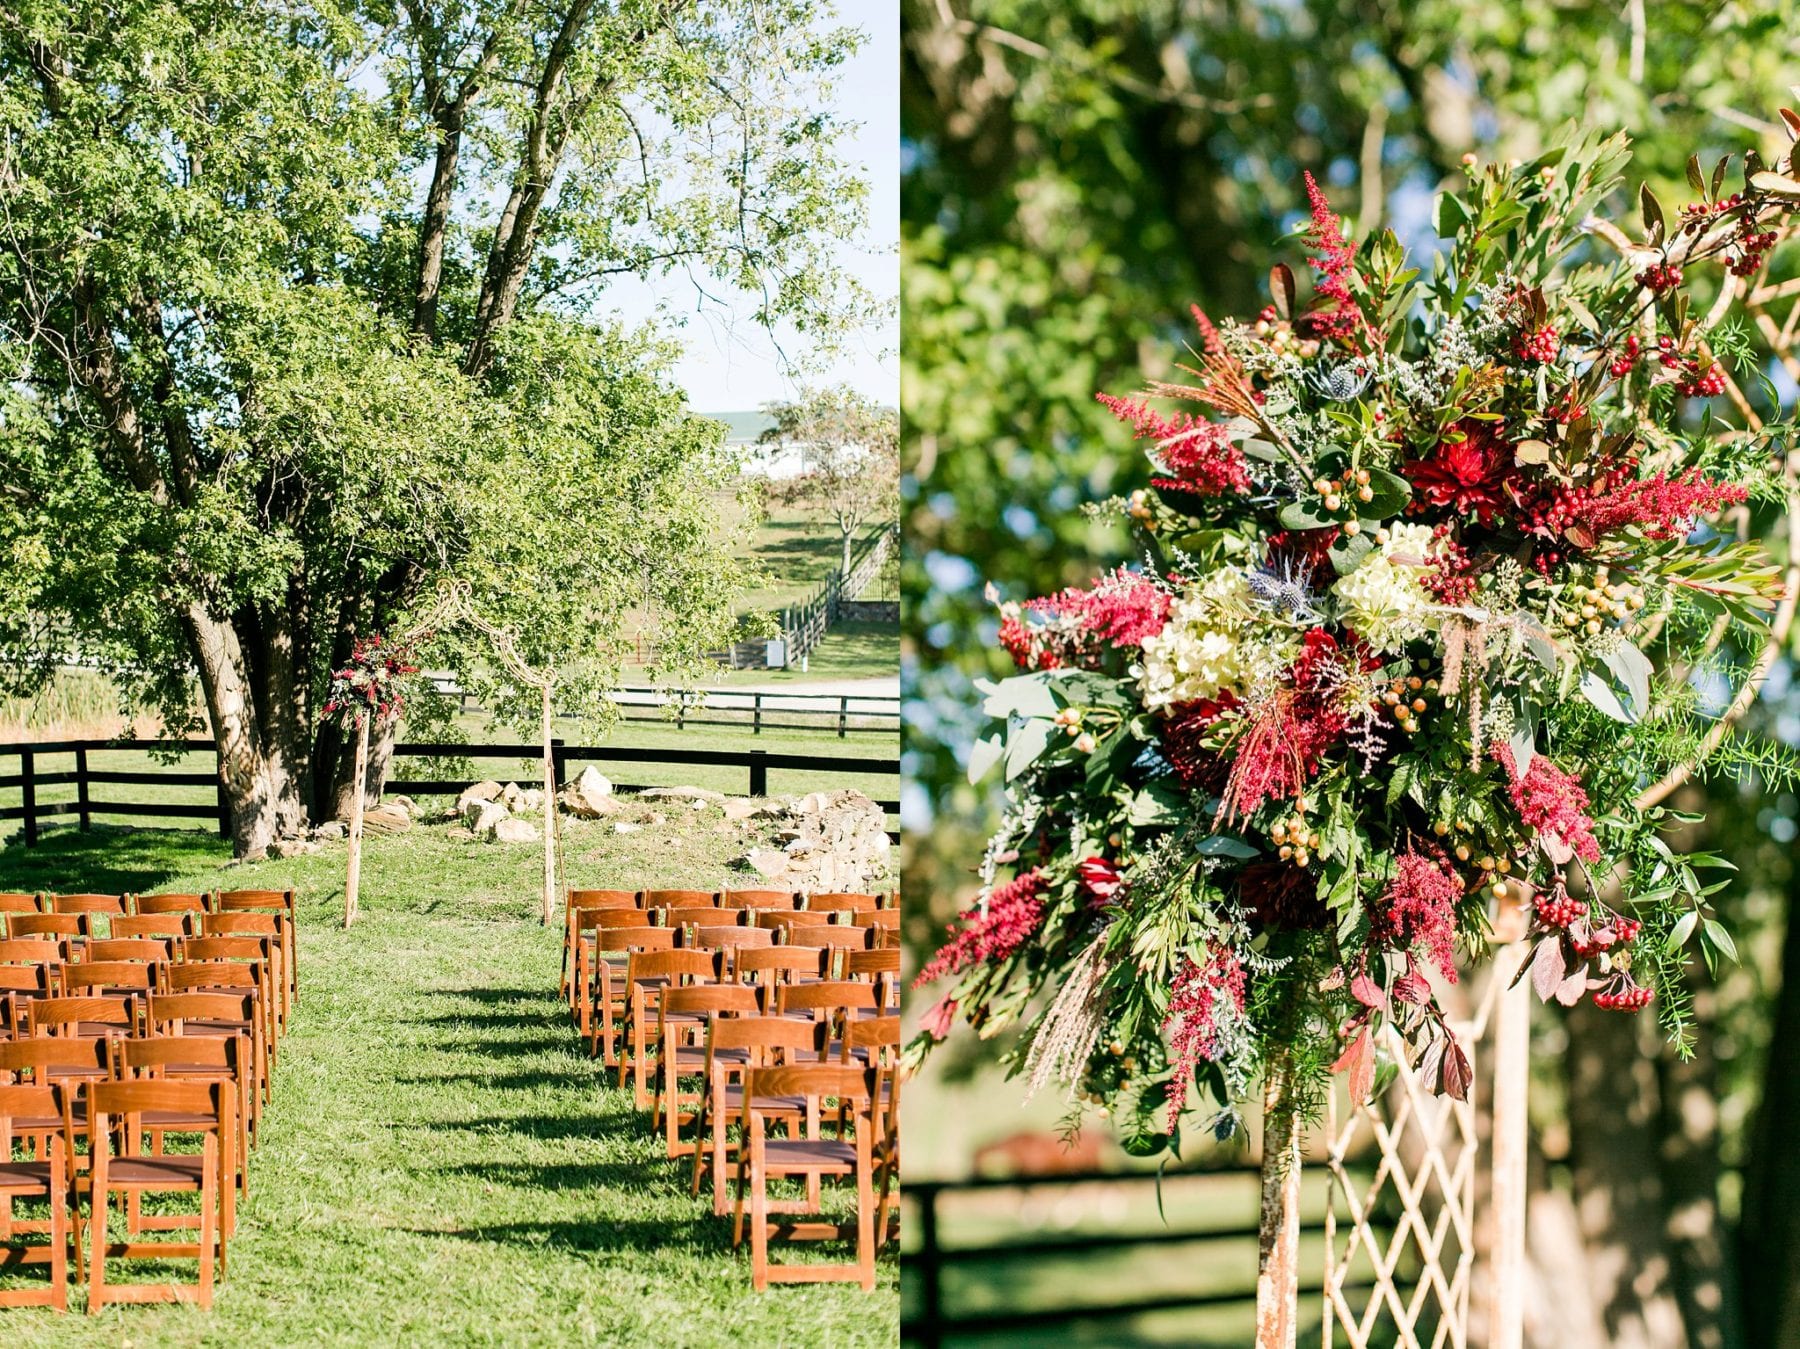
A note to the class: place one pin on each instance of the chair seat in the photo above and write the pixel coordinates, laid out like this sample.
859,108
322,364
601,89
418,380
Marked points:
24,1177
808,1154
174,1121
773,1105
167,1172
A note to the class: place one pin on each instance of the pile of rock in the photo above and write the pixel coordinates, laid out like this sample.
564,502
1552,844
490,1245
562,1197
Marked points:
501,814
828,841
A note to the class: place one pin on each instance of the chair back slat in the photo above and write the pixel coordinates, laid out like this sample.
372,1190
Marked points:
603,899
669,899
143,949
157,926
65,1015
15,901
830,901
106,904
70,1056
855,1085
164,904
757,899
65,925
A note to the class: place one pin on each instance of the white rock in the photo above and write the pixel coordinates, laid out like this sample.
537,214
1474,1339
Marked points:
387,818
589,796
626,827
332,829
406,803
510,830
740,808
509,796
483,816
481,791
690,793
530,802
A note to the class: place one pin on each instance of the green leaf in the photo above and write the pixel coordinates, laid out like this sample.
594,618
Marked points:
1022,695
985,753
1720,939
1226,845
1683,929
1025,744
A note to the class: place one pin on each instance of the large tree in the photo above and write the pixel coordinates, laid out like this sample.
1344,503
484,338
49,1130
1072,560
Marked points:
259,264
849,460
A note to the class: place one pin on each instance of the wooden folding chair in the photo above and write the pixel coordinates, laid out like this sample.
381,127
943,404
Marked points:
829,1002
776,919
577,901
757,899
191,1058
729,941
888,920
647,974
681,1018
16,901
85,1018
837,901
216,1014
676,899
599,995
734,1044
271,901
89,906
145,950
240,980
120,1166
772,966
831,938
762,1159
68,928
271,927
165,927
880,967
30,967
46,1177
46,1061
698,916
167,904
131,979
256,954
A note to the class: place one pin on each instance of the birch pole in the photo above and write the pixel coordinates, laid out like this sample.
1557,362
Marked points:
1278,1242
353,880
549,812
1511,1132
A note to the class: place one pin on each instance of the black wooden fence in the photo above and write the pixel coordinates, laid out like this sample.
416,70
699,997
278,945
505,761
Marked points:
31,779
931,1315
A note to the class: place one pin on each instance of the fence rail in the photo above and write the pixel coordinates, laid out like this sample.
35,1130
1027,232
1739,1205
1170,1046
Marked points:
758,764
932,1319
846,714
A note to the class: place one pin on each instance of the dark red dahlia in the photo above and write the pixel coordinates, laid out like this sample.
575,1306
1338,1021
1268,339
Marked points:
1468,471
1281,896
1185,733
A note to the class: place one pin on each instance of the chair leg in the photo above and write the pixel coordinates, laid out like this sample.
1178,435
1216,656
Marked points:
59,1242
865,1216
759,1215
209,1199
96,1276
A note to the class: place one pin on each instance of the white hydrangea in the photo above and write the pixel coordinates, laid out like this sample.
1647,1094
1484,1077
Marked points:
1202,649
1384,600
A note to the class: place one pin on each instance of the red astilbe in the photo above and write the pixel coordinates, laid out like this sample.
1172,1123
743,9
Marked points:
1551,802
1015,911
1194,450
1418,909
1333,264
1468,471
1290,731
1665,507
1102,881
1076,627
1204,1003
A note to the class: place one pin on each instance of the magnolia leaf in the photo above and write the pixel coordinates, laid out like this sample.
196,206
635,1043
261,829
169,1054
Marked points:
1696,179
1225,845
1532,452
1600,693
1024,744
1431,1066
1633,669
1349,551
1265,450
1524,747
1779,184
985,753
1300,515
1025,695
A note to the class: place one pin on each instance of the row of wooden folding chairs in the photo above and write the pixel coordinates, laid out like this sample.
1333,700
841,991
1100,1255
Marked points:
878,909
165,915
112,1094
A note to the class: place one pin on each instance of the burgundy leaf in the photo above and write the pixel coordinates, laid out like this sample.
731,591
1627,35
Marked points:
1548,969
1457,1073
1431,1067
1369,993
1359,1061
1569,992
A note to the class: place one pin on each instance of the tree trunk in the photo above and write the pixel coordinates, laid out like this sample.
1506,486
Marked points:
1278,1256
844,558
353,877
1613,1118
1769,1234
263,791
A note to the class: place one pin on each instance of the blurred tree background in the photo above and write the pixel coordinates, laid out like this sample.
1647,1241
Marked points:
1076,172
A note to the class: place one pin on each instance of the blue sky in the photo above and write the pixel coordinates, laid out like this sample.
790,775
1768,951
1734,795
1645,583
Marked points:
731,364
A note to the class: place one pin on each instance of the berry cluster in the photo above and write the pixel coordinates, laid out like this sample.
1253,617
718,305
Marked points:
1752,248
1537,345
1659,278
1556,907
1621,367
1406,698
1627,997
1695,215
1591,605
1691,380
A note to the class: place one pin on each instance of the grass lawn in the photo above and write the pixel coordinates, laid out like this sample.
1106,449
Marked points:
442,1163
849,650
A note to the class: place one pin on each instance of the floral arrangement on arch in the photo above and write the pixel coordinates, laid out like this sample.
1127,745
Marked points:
372,683
1428,598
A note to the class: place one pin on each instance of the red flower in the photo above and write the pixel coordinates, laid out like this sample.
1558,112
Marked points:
1551,802
1418,908
1467,472
1196,451
1101,879
1333,263
1079,627
939,1018
1200,994
1184,742
1014,913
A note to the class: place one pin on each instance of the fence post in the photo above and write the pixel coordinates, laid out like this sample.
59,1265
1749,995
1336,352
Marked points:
559,761
28,795
759,772
925,1260
756,714
843,715
224,805
81,787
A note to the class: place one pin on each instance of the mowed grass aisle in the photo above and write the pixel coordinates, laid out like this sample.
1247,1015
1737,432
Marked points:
442,1163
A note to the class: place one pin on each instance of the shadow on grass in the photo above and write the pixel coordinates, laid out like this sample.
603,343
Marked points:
601,1234
107,859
